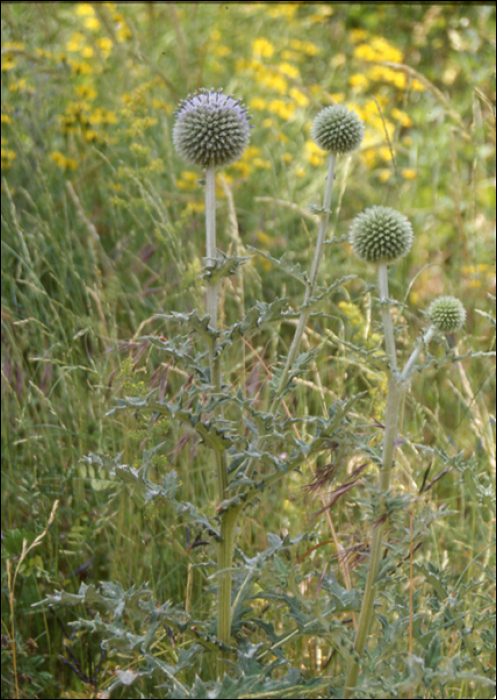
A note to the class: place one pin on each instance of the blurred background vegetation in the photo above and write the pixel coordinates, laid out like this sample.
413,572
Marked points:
102,227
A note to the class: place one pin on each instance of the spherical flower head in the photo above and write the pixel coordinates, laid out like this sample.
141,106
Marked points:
211,129
337,129
447,314
381,235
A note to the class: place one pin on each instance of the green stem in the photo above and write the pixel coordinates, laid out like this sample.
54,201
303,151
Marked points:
210,236
407,371
224,563
306,311
395,392
225,545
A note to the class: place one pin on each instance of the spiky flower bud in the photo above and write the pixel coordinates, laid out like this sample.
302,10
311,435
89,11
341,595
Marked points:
211,129
447,314
381,235
337,129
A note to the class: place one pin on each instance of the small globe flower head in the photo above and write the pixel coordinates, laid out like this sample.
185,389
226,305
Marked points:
381,235
211,129
337,129
447,314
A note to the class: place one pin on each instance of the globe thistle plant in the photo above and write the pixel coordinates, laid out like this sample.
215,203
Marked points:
381,235
337,129
447,314
211,129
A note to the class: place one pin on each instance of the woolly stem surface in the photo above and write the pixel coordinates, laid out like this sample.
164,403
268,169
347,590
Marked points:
210,234
408,369
225,545
395,393
306,311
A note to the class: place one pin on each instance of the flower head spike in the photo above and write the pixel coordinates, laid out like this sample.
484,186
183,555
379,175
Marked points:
211,129
337,129
381,235
447,314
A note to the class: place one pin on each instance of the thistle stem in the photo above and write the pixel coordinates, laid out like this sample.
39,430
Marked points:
395,392
407,371
210,233
225,545
306,311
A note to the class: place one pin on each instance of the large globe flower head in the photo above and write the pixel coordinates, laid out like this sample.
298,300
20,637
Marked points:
381,235
447,314
211,129
337,129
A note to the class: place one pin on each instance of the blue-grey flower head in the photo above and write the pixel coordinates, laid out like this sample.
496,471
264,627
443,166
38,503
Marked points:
447,314
381,235
337,129
211,129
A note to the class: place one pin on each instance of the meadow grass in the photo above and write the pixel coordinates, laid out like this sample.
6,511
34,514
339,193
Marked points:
103,230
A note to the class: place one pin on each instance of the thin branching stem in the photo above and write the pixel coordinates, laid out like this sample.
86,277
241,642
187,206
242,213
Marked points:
306,311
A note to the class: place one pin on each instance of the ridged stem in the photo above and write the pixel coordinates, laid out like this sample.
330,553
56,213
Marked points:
225,545
210,238
306,311
395,392
407,371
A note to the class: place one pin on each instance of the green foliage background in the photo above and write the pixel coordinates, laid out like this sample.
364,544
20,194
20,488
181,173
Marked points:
102,228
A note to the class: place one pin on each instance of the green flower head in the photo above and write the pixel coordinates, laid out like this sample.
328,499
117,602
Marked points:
447,314
337,129
381,235
211,129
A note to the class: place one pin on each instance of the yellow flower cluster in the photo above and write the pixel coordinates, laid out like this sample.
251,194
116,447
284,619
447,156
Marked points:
62,161
8,155
378,50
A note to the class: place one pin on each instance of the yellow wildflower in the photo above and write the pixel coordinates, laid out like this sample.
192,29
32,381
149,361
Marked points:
282,109
304,46
378,50
105,44
84,9
314,154
409,174
8,62
257,103
86,92
261,164
300,98
263,48
92,23
282,9
75,42
359,80
7,157
188,180
222,51
289,70
356,35
402,117
62,161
